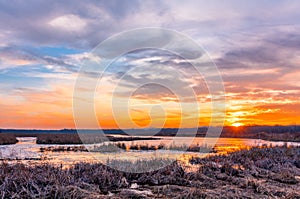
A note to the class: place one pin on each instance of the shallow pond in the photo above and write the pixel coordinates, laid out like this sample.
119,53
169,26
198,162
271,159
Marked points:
27,149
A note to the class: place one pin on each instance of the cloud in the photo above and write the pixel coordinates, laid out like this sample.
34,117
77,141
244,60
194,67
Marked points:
68,23
77,24
89,22
255,44
154,71
12,57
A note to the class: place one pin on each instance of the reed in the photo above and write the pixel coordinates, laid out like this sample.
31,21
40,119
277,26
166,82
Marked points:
7,139
261,172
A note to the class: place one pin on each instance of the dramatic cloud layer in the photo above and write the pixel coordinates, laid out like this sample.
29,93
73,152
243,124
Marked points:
255,44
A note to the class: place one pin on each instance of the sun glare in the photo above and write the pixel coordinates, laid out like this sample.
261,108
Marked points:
237,124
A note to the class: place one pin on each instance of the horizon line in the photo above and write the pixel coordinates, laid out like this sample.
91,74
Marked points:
69,129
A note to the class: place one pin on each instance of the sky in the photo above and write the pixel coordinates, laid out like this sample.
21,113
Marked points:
254,44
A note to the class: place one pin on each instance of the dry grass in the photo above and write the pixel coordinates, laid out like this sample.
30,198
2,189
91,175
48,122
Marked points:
7,139
118,147
68,138
80,181
254,173
285,137
63,149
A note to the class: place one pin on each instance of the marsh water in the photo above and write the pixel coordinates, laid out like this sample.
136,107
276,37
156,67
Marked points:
26,150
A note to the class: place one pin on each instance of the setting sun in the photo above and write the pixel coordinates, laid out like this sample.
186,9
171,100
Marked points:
149,99
237,124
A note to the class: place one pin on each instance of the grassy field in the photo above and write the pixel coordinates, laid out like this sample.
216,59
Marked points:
254,173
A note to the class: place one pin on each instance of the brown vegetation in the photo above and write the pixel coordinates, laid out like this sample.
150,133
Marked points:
63,149
146,147
254,173
285,137
68,138
118,147
7,139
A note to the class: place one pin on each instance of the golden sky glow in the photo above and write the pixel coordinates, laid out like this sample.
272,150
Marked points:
254,44
54,110
152,106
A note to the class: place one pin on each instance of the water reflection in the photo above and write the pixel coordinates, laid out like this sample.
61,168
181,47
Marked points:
26,150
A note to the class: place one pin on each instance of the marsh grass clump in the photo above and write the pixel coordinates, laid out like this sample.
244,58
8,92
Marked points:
258,169
161,146
69,138
121,146
83,180
42,181
107,148
140,147
64,149
7,139
88,138
254,173
141,165
286,136
192,148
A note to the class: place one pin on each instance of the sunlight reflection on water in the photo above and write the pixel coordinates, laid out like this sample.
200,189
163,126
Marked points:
27,149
